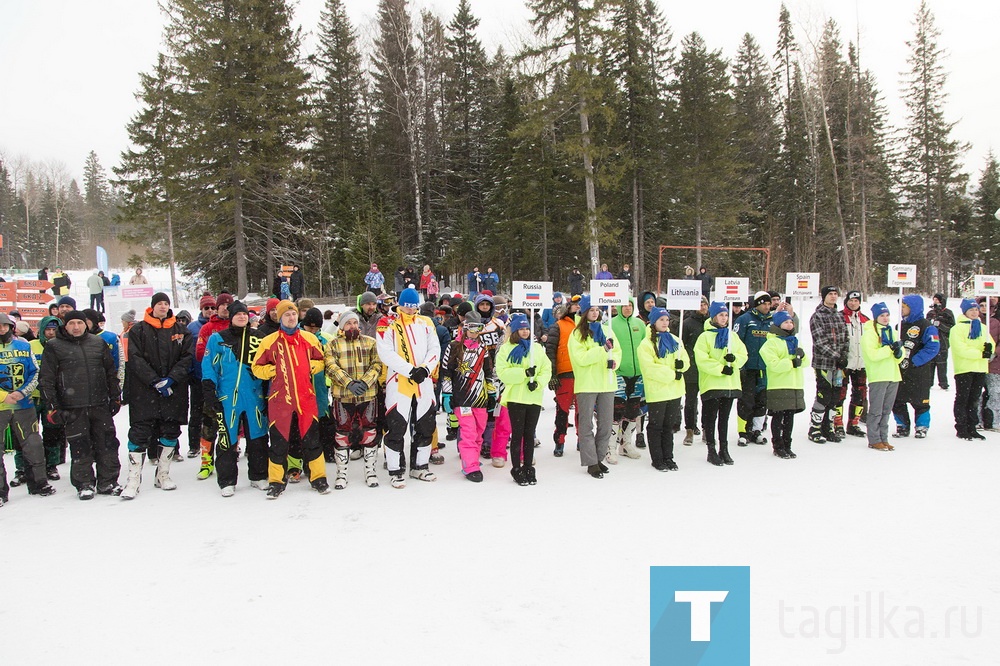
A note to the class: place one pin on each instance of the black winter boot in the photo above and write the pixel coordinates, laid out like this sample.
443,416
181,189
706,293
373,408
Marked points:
713,457
724,453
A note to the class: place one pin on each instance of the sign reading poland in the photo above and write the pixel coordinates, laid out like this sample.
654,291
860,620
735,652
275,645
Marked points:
527,294
732,289
609,292
683,294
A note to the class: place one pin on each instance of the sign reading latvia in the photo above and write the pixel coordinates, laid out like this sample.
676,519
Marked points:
609,292
986,285
802,285
732,289
902,275
528,294
683,294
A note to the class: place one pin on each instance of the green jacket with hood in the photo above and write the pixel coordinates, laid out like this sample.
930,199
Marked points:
629,332
711,361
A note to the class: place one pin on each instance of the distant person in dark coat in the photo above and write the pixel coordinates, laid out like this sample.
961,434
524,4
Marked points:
706,282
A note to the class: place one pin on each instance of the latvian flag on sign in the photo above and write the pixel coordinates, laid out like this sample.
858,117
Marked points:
803,284
732,289
902,275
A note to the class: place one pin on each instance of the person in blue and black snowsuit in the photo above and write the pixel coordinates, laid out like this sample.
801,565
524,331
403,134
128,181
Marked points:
752,326
239,399
921,345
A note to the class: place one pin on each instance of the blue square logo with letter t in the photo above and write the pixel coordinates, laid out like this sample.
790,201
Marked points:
699,616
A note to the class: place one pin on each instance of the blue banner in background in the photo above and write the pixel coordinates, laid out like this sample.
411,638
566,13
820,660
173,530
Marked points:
102,259
699,616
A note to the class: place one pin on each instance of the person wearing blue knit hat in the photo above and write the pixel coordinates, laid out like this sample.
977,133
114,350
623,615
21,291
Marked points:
972,348
784,397
882,352
719,356
662,361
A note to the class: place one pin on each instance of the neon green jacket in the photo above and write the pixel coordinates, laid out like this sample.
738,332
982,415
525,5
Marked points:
659,375
516,382
710,361
590,363
781,374
629,332
881,365
966,353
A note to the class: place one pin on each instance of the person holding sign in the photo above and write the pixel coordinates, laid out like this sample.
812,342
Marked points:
752,327
882,354
662,361
595,356
719,357
972,348
784,396
920,340
524,371
829,334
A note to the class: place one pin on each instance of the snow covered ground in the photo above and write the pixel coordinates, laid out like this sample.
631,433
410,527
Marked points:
492,573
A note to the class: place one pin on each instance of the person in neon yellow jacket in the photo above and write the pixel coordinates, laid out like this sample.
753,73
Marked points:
719,357
662,361
595,356
524,370
882,353
971,351
784,397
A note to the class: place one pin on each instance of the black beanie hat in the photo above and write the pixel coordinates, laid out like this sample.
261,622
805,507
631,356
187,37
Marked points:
157,297
313,317
236,307
75,314
464,308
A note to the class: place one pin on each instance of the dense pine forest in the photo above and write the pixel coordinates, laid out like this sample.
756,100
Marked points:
602,138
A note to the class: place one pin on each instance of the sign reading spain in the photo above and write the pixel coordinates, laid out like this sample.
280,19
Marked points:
527,294
802,285
732,289
609,292
902,275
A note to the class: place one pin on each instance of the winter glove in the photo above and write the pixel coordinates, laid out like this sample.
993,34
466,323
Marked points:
898,352
114,405
797,362
164,386
418,374
532,385
729,358
609,344
54,417
530,372
611,364
800,354
678,374
357,387
727,370
554,384
896,345
842,361
446,402
905,364
678,364
211,398
987,350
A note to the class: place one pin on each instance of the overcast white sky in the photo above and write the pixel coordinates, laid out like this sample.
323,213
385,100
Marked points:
70,68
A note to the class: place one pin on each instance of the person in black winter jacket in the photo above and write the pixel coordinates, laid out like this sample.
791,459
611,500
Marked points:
694,325
944,319
79,382
576,280
160,352
296,283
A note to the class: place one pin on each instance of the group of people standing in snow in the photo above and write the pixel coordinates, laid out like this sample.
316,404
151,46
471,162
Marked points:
301,394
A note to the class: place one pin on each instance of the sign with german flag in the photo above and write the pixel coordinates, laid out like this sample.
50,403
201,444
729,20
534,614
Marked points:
732,289
802,285
609,292
902,275
986,285
531,294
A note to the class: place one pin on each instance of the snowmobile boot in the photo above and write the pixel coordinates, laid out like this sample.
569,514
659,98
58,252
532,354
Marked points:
371,479
901,431
616,436
816,435
341,456
854,431
163,479
920,432
135,462
628,448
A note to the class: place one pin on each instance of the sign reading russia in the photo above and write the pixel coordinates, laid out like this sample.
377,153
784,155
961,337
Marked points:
802,285
609,292
902,275
528,294
683,294
986,285
732,289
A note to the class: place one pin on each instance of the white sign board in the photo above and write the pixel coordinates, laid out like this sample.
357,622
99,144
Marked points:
609,292
683,294
529,294
802,285
986,285
732,289
902,275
